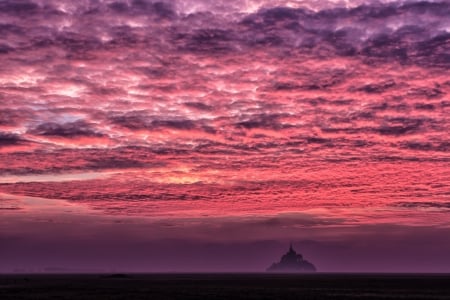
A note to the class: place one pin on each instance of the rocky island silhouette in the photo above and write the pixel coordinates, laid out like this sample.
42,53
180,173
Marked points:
292,262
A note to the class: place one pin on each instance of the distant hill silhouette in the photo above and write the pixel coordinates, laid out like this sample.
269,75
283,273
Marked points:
292,262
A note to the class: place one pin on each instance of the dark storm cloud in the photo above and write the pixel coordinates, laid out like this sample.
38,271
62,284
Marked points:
12,117
116,162
18,7
428,92
63,160
4,49
269,121
67,130
141,120
376,88
427,146
199,106
10,208
207,41
175,124
9,139
142,7
319,80
75,42
418,204
6,29
399,126
391,126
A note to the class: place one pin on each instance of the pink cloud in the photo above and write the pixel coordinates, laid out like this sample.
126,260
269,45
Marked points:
270,115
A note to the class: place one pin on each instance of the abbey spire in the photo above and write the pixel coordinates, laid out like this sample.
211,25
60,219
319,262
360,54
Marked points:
292,262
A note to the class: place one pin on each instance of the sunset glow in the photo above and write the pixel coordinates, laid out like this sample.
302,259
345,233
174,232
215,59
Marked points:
195,122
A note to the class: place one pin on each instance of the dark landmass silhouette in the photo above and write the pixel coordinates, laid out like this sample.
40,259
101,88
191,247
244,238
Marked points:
226,286
118,276
292,262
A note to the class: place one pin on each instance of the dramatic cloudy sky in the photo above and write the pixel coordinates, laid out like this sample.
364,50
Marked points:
204,135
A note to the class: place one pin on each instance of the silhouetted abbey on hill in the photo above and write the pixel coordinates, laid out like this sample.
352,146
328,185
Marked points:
292,262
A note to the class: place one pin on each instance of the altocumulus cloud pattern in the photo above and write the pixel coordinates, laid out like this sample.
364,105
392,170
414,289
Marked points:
201,117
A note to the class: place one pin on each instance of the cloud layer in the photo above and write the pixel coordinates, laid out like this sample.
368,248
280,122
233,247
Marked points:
264,110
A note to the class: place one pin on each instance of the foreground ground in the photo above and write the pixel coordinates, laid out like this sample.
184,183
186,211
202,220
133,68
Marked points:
225,286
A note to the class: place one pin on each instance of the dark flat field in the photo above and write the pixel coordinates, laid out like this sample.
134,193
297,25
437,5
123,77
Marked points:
225,286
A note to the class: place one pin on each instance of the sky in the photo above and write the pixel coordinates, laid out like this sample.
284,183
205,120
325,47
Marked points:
205,136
